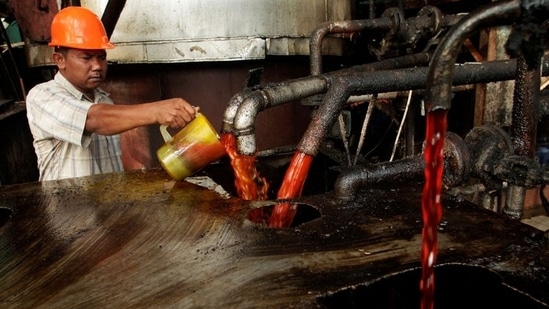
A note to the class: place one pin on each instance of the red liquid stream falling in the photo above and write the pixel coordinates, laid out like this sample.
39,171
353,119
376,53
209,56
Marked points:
283,214
250,185
431,203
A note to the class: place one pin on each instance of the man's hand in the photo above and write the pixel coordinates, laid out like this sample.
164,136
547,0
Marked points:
175,113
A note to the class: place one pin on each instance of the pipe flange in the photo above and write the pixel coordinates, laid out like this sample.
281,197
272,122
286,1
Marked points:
397,18
435,17
488,145
457,160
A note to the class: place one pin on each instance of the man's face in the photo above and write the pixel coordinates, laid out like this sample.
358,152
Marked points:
83,68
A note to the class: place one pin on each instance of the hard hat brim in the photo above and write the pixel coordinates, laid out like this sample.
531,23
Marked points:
77,46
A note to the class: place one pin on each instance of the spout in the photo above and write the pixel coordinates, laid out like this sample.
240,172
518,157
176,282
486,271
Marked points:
439,79
246,106
457,162
244,122
230,111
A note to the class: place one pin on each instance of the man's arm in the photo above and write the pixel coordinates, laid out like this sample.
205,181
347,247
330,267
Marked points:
107,119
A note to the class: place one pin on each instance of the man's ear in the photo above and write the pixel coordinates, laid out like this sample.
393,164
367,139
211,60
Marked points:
59,60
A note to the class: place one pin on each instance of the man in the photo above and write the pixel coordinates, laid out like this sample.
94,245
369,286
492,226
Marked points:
75,125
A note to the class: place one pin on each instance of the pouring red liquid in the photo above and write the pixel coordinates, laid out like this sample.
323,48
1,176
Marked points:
251,186
292,186
431,203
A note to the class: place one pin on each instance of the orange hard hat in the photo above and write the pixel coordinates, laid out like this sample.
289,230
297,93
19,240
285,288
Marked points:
78,27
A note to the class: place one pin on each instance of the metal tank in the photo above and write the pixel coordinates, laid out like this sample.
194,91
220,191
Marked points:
174,31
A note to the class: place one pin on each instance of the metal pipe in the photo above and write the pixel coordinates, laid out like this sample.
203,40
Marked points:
343,86
525,99
407,61
524,128
457,161
396,94
111,14
260,98
357,83
317,36
266,97
393,22
324,118
439,80
351,180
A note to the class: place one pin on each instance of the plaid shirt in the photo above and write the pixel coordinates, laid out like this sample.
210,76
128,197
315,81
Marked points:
57,113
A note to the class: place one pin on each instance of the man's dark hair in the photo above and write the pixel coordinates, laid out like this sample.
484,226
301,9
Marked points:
61,50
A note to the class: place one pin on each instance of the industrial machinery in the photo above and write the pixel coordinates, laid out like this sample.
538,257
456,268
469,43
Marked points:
342,95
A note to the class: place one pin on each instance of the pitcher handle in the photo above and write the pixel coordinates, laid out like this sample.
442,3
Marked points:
165,134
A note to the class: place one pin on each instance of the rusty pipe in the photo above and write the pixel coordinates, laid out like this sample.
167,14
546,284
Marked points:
392,22
525,99
239,116
398,62
457,162
524,127
343,86
318,34
324,118
357,83
439,81
351,180
268,96
407,61
271,95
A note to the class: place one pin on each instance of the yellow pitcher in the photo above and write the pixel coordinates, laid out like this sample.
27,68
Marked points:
191,149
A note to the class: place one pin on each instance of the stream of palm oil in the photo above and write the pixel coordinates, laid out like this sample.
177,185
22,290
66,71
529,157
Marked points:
431,203
252,186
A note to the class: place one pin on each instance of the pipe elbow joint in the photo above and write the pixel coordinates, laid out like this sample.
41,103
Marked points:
244,122
230,112
349,182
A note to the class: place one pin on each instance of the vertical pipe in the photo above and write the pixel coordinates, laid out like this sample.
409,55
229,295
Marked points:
111,14
525,99
524,129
